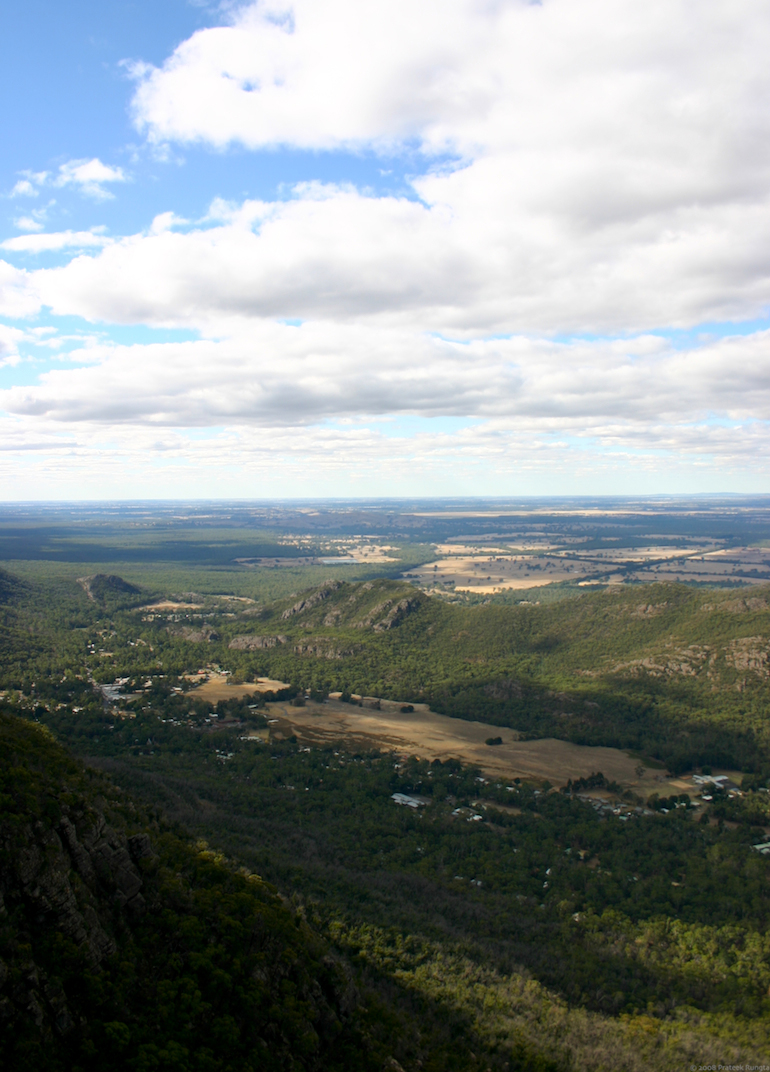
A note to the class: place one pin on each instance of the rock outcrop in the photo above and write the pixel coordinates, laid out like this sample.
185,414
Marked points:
256,643
74,879
397,614
312,600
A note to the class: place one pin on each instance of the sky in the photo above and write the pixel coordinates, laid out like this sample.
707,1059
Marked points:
367,248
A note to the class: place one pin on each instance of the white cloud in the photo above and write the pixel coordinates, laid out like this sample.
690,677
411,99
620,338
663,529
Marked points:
45,461
602,81
12,337
165,221
39,243
280,375
28,223
609,173
616,155
35,220
23,188
450,263
89,176
616,169
18,297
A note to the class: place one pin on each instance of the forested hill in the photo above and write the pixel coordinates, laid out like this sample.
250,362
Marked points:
124,946
11,587
677,673
524,929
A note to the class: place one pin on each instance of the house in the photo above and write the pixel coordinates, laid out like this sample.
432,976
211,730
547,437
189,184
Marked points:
409,802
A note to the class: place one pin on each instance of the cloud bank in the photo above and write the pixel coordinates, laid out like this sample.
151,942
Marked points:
583,170
281,375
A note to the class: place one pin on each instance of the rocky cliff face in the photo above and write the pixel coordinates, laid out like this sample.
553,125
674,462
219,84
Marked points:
73,879
312,600
256,643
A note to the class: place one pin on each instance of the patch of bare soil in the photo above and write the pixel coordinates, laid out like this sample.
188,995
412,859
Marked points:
218,687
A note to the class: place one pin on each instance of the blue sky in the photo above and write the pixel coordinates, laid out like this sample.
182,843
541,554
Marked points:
317,246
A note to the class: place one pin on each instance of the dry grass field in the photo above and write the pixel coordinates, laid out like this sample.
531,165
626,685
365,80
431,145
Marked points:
219,687
424,733
169,604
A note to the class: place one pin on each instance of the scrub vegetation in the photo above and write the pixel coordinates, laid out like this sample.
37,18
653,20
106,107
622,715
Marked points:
208,893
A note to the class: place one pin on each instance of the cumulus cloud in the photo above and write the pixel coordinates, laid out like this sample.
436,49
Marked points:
10,338
612,159
40,460
613,169
451,263
18,297
597,167
23,188
89,176
466,75
28,223
653,102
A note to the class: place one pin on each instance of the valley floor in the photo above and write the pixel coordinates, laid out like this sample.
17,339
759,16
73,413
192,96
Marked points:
424,733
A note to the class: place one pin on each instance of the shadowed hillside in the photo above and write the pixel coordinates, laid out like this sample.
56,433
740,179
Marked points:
122,944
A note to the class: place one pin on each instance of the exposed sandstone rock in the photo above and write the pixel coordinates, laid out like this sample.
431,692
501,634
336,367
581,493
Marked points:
312,600
256,643
749,653
394,617
374,614
62,877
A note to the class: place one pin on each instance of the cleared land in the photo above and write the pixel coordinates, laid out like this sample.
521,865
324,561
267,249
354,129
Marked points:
424,733
169,604
480,568
218,687
337,553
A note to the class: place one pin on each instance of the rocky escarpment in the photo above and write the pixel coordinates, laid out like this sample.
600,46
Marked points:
72,879
311,601
206,634
323,649
256,643
387,615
